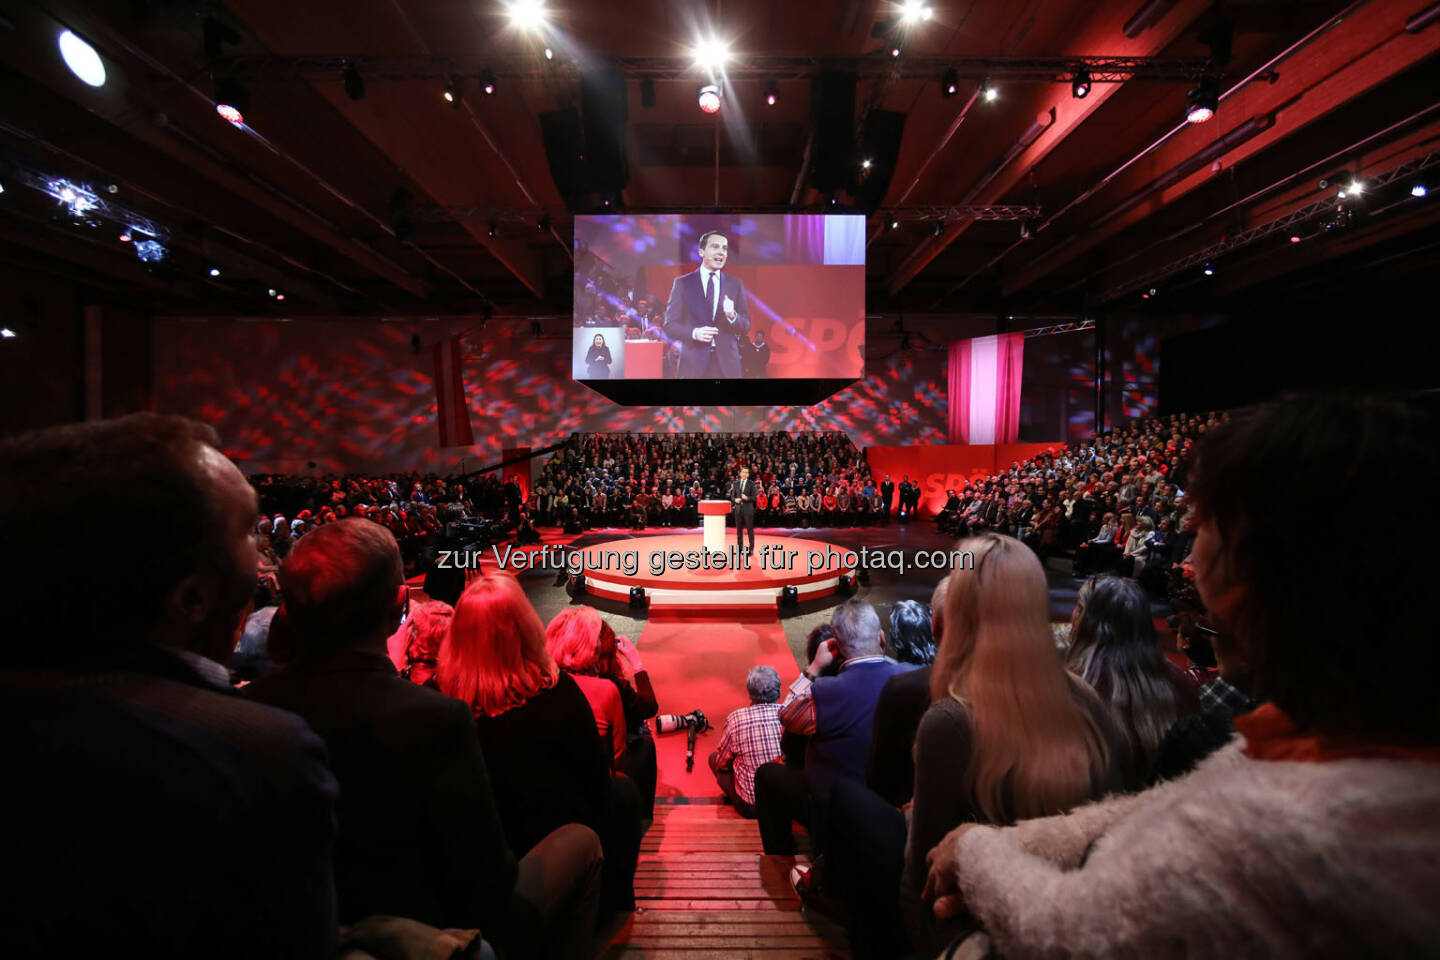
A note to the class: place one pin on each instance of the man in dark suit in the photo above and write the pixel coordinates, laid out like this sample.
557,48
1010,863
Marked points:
154,811
420,836
742,496
887,495
708,313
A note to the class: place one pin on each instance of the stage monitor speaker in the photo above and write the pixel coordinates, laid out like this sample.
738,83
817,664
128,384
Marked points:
607,113
564,149
880,144
832,116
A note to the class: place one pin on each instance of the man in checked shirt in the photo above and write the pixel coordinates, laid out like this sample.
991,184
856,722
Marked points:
751,737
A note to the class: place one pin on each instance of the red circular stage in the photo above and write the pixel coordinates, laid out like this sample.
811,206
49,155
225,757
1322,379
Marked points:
679,575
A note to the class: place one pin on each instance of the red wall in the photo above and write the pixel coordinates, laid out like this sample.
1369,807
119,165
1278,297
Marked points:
948,466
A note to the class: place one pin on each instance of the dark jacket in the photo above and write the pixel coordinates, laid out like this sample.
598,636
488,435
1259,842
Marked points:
844,715
687,309
890,771
420,835
154,813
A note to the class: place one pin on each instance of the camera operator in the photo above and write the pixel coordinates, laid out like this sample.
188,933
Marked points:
751,737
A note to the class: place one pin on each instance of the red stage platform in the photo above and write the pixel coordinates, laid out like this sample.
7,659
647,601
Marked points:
680,576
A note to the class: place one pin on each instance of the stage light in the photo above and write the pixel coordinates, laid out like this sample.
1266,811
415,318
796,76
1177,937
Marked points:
895,51
991,93
1294,238
354,83
1357,187
271,291
82,59
7,333
1209,270
865,164
913,11
1341,194
487,82
949,83
772,93
789,596
637,596
452,92
214,271
79,200
1418,190
231,101
527,14
1080,84
710,98
492,229
149,251
279,296
125,236
894,224
711,54
1203,100
549,54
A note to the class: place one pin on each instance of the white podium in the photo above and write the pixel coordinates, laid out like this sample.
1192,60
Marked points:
713,533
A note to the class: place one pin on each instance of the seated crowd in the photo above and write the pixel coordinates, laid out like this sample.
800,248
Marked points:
803,479
487,794
1272,790
456,776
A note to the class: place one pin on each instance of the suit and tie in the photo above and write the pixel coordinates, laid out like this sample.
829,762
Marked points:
744,491
697,300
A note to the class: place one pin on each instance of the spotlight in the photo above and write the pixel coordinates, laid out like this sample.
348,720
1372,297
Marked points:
279,296
1357,187
271,291
865,164
7,333
895,51
711,54
710,98
149,251
991,93
82,59
79,200
527,14
1294,238
452,92
125,236
1203,100
789,596
487,82
354,83
772,93
1341,194
231,101
549,54
949,83
894,224
1080,84
647,92
913,11
1418,190
1209,270
214,271
637,596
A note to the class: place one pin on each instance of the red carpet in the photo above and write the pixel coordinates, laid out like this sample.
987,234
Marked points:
702,663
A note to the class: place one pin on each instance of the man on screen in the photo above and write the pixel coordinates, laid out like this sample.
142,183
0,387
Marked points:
707,314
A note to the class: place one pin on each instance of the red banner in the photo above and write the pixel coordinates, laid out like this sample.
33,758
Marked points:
949,467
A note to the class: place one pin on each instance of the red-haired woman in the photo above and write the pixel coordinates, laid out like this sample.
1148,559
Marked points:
586,647
546,760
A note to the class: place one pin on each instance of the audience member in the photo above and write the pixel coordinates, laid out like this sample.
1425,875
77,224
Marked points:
420,836
414,648
1113,648
1314,830
890,770
910,637
751,737
154,813
793,745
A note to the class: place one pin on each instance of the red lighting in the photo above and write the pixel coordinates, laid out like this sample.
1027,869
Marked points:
1199,114
1294,238
230,114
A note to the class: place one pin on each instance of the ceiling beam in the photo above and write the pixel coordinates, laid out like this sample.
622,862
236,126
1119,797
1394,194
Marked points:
1342,64
1105,31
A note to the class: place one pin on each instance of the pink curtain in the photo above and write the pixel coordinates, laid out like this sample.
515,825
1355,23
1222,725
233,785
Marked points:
984,389
1011,361
451,407
959,392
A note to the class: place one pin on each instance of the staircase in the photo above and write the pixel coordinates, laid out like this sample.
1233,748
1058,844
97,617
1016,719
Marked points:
705,889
